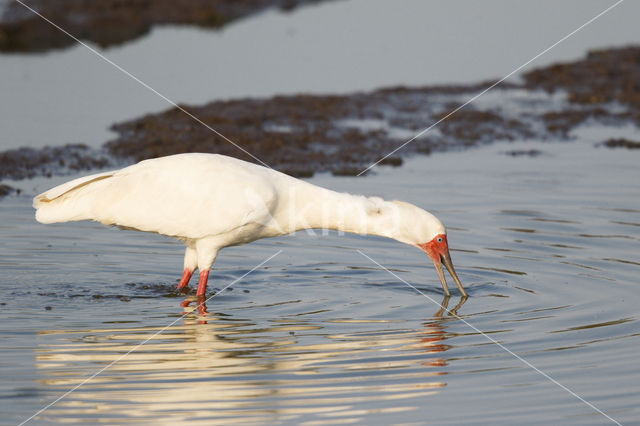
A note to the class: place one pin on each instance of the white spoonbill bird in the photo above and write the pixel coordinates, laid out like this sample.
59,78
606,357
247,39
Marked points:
211,201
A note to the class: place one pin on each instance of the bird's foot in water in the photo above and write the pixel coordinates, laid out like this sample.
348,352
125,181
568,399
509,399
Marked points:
184,280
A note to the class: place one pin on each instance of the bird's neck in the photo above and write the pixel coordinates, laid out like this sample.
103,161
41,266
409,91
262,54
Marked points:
320,208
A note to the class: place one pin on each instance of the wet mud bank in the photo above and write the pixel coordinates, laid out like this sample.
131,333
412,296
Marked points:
113,22
621,143
304,134
344,134
26,163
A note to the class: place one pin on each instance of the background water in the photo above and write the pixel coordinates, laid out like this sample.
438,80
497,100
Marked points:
546,246
72,96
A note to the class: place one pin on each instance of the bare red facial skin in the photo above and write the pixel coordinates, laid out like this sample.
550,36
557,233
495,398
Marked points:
438,251
436,248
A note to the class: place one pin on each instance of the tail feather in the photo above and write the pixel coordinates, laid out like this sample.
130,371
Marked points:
50,205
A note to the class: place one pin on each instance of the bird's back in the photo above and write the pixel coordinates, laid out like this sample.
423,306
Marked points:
184,195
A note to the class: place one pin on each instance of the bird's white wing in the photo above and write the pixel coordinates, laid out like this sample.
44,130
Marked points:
60,190
187,196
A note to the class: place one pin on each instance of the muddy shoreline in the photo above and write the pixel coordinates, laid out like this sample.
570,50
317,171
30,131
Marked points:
343,134
113,22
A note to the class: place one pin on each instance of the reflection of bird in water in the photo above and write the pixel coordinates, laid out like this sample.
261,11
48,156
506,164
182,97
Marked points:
434,331
201,308
444,307
240,370
211,201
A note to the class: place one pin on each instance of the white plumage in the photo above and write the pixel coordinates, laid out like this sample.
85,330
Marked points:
211,201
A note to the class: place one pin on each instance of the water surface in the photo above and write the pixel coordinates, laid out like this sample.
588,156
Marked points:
547,247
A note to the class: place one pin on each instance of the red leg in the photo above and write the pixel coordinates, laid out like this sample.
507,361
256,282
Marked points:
186,276
202,283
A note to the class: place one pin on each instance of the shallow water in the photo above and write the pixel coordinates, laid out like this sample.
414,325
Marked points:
547,247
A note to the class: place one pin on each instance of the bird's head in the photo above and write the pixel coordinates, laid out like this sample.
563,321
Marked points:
421,229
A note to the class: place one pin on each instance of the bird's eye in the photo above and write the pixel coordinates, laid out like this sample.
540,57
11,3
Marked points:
439,239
